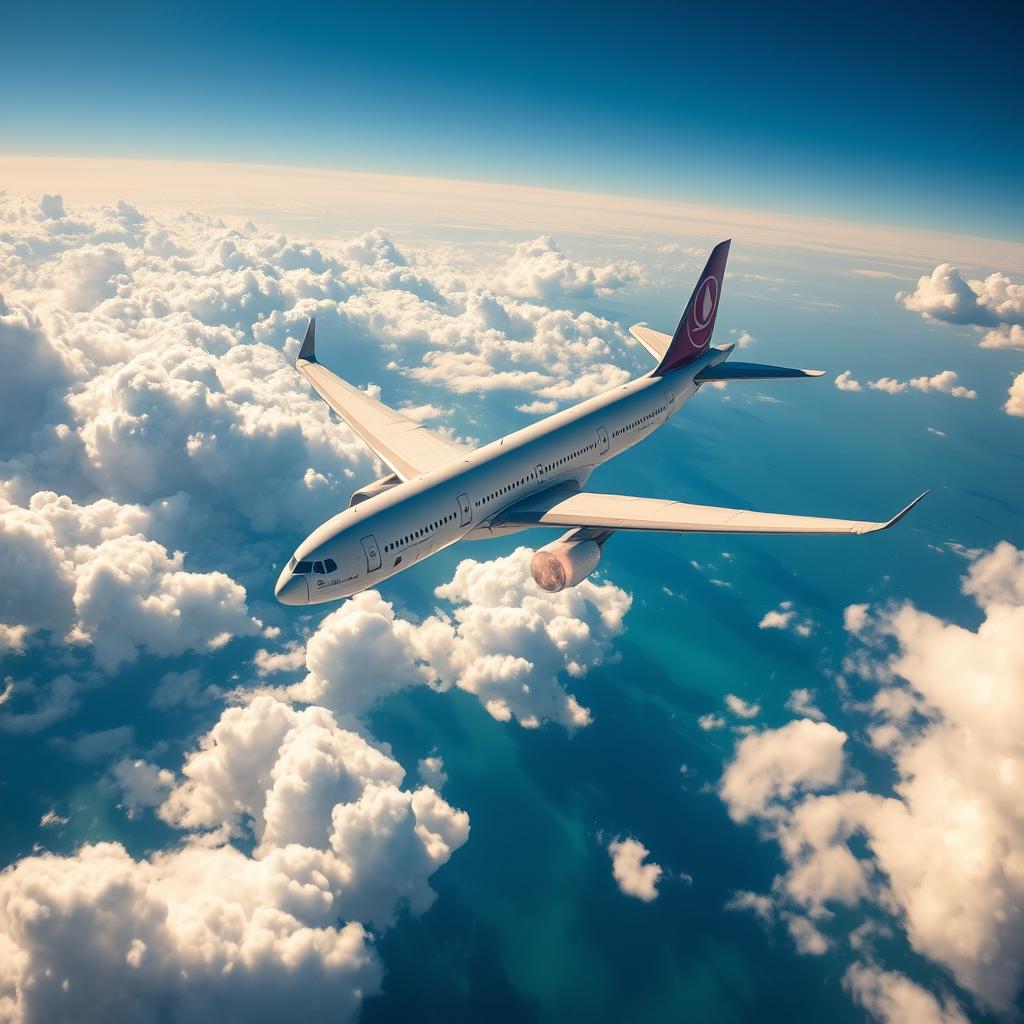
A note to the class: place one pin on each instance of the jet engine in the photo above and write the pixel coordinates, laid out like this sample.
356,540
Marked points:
385,483
564,563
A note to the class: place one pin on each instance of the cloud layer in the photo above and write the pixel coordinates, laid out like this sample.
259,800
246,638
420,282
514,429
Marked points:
506,642
941,853
157,443
338,847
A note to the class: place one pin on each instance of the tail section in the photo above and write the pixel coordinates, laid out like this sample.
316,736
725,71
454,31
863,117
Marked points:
693,335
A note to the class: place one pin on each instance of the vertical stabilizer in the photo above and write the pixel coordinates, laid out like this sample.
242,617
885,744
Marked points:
693,335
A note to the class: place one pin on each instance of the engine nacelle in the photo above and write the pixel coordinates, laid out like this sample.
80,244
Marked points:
385,483
564,564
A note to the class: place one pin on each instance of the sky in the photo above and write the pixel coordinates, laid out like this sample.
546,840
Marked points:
894,113
724,778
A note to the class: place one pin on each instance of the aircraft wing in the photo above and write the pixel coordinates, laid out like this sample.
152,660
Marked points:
561,507
404,445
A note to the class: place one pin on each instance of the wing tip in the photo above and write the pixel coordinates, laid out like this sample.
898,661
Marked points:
899,515
308,350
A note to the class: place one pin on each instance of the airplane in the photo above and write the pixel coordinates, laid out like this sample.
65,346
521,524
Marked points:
437,493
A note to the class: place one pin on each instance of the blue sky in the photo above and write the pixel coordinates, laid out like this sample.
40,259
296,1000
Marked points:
894,113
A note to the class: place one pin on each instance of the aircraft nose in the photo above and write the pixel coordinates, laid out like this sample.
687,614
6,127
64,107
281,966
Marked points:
291,589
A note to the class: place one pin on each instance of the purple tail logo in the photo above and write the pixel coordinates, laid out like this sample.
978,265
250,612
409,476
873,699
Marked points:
693,335
702,314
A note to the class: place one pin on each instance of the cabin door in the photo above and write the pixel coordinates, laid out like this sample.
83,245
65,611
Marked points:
372,551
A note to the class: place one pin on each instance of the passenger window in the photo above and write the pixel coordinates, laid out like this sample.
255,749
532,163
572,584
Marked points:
330,565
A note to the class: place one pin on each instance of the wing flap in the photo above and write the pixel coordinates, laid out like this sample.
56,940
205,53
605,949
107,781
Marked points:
405,446
625,512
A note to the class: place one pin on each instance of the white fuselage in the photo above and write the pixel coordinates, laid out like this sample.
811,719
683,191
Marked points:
385,534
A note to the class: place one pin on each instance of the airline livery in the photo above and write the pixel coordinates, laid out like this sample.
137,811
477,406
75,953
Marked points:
437,494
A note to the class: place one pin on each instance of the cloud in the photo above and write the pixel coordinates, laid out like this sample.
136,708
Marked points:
97,579
786,617
758,904
711,722
12,639
431,771
36,371
744,339
505,641
152,356
675,249
1007,336
846,382
806,937
855,617
203,931
1014,405
538,408
490,342
892,998
183,689
889,385
801,702
52,206
945,295
994,302
142,785
740,708
937,852
539,270
868,272
30,707
775,764
946,381
632,875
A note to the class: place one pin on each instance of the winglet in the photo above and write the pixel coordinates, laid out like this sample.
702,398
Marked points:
307,351
873,527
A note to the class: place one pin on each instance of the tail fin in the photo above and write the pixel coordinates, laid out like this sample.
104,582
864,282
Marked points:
693,335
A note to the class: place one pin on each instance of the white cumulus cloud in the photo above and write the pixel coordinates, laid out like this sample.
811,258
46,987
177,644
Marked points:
938,853
946,382
203,931
1014,405
507,642
633,876
539,270
96,578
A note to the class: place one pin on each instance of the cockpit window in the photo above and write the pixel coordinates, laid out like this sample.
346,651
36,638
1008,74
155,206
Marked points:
318,567
291,564
330,565
302,567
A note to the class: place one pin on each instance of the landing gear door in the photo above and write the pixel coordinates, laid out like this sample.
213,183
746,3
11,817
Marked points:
602,438
372,551
465,510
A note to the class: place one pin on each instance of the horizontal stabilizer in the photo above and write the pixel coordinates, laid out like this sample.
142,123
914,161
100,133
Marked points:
654,341
751,371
